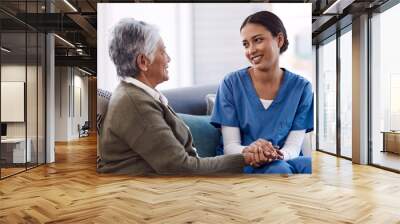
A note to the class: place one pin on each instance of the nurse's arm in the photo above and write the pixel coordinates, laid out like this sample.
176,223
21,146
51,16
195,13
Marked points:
292,147
231,139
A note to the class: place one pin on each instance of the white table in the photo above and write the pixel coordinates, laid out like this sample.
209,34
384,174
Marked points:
18,149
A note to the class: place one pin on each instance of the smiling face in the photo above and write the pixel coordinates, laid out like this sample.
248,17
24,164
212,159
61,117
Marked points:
261,48
157,70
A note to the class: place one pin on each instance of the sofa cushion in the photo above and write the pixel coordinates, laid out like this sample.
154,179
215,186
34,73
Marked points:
206,137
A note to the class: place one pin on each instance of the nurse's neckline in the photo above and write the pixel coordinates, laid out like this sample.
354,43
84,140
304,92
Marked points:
281,84
251,70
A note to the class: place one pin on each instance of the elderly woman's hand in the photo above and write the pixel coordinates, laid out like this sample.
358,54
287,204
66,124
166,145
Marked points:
262,152
269,150
256,157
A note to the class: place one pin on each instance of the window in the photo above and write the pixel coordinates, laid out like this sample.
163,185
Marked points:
385,89
327,97
22,75
346,94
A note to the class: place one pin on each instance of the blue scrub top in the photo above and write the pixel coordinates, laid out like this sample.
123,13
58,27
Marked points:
238,105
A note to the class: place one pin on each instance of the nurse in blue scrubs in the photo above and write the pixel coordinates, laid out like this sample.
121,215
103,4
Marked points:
265,107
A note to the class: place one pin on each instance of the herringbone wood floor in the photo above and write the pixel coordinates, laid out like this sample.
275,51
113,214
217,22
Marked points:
70,191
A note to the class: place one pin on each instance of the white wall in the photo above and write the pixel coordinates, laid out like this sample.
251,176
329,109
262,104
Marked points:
161,15
12,73
33,127
80,103
69,82
61,103
203,40
218,47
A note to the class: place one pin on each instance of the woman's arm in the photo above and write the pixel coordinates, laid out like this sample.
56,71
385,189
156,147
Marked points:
291,148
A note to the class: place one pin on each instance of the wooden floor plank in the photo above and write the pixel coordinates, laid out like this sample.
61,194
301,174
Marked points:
70,191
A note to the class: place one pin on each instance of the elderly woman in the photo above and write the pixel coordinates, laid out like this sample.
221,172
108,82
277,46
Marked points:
141,134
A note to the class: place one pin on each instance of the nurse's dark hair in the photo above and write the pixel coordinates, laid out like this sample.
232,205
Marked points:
271,22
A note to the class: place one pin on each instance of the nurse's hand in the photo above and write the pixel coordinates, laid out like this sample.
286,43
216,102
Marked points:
280,154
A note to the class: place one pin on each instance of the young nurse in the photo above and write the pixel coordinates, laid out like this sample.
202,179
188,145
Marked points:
265,101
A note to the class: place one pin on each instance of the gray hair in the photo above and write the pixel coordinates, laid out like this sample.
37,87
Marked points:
130,38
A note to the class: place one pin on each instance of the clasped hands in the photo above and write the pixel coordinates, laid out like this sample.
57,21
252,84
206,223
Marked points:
261,152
